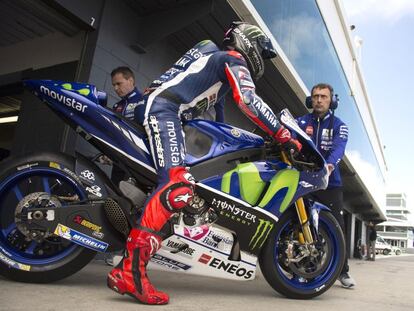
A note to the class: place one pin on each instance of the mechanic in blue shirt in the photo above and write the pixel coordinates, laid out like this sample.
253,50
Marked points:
197,82
130,106
330,135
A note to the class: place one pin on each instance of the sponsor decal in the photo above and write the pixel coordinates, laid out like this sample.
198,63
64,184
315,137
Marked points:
97,234
183,197
195,53
192,54
87,174
70,173
11,263
261,234
182,62
95,190
176,245
54,165
266,112
173,144
305,184
157,138
245,79
233,212
204,258
235,132
70,102
80,238
19,168
196,233
83,222
343,132
229,267
169,263
327,134
244,38
213,239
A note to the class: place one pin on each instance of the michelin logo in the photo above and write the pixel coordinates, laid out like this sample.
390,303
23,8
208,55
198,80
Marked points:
80,238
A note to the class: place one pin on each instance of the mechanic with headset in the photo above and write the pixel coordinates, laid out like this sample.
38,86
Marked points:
330,136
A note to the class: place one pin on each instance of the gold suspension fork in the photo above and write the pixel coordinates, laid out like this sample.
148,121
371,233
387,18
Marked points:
306,235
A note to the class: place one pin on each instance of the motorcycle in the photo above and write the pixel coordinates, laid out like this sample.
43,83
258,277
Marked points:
57,211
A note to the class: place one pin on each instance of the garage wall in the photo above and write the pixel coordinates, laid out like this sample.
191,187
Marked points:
119,29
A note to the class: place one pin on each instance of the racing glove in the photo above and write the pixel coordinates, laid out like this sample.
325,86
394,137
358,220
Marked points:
288,143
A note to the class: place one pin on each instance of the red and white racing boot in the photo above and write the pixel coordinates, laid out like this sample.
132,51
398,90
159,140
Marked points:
130,276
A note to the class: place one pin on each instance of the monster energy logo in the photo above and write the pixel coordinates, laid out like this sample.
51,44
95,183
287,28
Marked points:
261,234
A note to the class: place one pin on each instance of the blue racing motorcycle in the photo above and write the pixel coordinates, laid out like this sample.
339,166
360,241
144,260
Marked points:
57,211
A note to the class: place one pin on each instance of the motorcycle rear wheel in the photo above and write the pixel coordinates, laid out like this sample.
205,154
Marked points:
311,276
21,258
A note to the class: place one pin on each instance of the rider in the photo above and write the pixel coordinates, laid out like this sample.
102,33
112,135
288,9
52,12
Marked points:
196,82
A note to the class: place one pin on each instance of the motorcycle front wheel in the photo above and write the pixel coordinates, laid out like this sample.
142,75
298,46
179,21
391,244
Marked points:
294,271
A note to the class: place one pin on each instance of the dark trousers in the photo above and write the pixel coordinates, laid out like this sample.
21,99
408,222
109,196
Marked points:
334,199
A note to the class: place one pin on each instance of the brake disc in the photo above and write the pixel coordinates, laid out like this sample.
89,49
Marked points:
35,199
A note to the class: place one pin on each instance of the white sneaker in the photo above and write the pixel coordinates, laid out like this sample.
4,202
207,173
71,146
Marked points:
346,280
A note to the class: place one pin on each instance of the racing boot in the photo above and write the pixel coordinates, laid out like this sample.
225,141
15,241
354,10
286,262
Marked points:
130,276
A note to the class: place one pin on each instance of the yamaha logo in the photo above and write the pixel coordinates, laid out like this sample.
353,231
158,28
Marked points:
235,132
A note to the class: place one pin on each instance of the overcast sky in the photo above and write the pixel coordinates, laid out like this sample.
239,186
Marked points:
386,28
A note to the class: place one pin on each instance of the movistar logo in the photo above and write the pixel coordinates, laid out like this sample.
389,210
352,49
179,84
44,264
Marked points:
70,102
261,234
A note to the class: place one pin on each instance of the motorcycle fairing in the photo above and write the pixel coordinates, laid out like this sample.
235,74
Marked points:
271,186
206,253
78,104
210,139
251,225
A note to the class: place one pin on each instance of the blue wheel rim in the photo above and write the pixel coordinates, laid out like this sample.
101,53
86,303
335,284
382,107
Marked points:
327,273
12,185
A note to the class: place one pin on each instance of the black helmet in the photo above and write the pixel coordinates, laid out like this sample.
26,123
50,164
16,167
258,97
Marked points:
251,42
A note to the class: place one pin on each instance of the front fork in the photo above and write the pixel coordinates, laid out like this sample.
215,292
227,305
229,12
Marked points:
305,237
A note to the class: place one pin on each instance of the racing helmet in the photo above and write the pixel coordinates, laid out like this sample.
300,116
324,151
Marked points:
251,42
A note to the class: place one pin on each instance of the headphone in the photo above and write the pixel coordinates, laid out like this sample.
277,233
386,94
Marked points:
334,98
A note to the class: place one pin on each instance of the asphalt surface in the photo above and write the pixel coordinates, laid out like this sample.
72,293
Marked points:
386,284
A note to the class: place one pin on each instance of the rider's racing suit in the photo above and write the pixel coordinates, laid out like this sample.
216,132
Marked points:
197,81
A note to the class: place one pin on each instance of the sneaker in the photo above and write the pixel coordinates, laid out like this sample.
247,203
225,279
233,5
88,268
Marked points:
346,280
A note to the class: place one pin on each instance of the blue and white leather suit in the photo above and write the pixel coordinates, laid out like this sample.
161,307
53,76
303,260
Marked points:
197,81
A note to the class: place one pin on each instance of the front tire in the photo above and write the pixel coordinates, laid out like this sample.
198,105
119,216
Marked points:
312,275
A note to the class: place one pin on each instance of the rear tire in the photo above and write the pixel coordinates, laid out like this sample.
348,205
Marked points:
52,259
317,276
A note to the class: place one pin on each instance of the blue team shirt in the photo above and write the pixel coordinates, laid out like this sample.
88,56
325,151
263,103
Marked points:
131,106
332,147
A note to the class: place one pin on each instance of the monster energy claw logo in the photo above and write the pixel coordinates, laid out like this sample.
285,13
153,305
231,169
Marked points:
261,234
